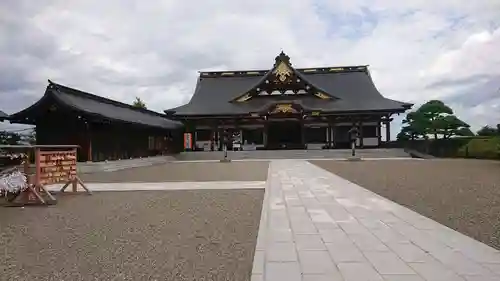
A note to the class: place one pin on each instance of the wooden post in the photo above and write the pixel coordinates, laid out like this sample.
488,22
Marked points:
333,135
379,132
264,133
38,167
329,134
361,145
89,144
302,134
388,130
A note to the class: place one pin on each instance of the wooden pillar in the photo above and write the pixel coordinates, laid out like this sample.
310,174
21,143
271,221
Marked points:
302,133
220,137
264,133
333,135
213,138
361,134
388,131
379,132
89,141
329,133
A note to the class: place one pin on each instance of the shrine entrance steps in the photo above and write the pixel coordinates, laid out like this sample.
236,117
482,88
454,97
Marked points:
292,154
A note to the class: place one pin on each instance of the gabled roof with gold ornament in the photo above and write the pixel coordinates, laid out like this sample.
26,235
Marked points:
326,89
92,107
282,78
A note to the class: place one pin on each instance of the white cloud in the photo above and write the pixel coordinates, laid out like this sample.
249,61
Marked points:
154,49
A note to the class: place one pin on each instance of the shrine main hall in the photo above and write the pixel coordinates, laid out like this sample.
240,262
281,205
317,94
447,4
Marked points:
287,108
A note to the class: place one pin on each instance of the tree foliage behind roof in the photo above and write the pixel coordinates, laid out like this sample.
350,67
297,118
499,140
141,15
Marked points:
433,118
139,103
489,131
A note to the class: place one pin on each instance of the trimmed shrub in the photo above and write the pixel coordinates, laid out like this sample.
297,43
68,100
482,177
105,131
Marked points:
484,148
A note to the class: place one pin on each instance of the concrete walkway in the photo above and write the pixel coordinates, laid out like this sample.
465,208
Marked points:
318,226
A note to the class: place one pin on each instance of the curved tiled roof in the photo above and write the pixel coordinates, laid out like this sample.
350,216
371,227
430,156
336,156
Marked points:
354,91
3,115
100,107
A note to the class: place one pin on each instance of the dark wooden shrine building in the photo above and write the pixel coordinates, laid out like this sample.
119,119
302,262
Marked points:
104,129
3,116
287,107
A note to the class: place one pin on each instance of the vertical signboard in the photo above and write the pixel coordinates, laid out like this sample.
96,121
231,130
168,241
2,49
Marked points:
188,141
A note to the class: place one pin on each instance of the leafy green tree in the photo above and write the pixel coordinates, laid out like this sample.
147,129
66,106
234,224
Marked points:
465,131
433,118
414,126
487,131
30,137
449,126
432,113
9,138
139,103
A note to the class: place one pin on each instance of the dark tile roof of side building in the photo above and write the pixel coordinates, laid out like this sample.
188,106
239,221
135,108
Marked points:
100,107
351,87
3,115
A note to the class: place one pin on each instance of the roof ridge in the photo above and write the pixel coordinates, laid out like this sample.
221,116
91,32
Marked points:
106,100
307,70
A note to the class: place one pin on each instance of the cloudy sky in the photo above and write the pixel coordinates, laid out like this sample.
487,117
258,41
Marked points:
417,49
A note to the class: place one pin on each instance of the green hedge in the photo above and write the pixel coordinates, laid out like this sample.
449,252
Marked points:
484,148
473,147
438,148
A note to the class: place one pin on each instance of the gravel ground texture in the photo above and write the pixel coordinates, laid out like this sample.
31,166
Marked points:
461,194
153,235
181,172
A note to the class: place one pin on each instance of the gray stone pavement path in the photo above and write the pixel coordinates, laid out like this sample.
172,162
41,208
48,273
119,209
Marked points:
318,226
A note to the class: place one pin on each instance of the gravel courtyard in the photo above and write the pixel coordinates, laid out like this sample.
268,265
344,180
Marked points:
461,194
185,171
153,235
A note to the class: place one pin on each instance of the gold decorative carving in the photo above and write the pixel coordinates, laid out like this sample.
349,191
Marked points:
337,69
227,73
282,72
322,96
284,108
315,113
310,70
244,98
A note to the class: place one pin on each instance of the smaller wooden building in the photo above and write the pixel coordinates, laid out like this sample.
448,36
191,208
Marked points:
104,129
3,116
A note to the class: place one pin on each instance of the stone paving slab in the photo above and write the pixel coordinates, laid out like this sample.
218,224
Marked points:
318,226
